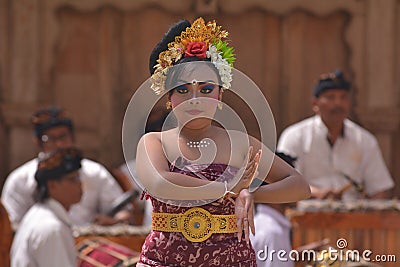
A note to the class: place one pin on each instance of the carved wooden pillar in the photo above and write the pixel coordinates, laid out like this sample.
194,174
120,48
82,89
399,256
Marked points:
4,77
379,96
380,50
293,67
109,69
21,90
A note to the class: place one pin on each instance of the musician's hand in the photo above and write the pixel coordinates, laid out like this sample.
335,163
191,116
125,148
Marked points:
244,211
123,216
325,193
334,195
249,172
105,220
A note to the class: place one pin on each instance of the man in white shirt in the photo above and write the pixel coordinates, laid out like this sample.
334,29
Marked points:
338,158
129,170
44,238
54,130
272,242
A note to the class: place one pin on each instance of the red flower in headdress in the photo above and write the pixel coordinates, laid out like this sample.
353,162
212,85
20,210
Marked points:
196,49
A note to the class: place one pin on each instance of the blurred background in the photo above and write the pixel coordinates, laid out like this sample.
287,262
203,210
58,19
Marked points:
90,56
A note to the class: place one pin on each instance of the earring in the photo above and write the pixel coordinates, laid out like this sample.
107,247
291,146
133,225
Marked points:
168,105
219,105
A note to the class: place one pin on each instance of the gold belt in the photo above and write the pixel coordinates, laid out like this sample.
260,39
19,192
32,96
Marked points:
196,224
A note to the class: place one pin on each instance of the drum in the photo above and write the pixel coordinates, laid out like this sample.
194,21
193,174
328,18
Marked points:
130,236
100,252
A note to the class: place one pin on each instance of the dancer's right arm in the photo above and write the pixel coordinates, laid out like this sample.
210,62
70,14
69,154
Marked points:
154,174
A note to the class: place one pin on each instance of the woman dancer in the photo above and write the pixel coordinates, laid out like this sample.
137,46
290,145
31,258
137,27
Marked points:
197,174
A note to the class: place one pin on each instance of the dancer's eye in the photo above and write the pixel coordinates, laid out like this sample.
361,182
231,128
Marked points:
181,89
207,88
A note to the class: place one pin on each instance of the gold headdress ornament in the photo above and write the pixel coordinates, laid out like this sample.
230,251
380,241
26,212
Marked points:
200,40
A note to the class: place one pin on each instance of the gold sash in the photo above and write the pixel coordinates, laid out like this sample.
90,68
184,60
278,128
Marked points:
196,224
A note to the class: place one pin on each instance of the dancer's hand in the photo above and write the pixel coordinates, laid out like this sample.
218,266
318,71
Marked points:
244,211
249,172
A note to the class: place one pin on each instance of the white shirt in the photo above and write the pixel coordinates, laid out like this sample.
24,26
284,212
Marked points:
44,238
355,154
100,189
129,169
272,236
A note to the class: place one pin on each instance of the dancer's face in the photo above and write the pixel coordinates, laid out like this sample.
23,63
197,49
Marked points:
196,97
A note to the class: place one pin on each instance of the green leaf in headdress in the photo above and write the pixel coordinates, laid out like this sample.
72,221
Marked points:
226,51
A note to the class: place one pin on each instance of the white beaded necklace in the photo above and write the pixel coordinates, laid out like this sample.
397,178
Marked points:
198,144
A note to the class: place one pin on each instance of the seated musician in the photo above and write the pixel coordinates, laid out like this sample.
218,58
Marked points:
44,237
54,130
338,158
273,230
154,124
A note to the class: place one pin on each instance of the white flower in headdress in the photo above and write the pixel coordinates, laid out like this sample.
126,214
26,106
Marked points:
222,65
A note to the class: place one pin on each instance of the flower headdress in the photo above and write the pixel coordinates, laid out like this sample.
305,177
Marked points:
199,40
